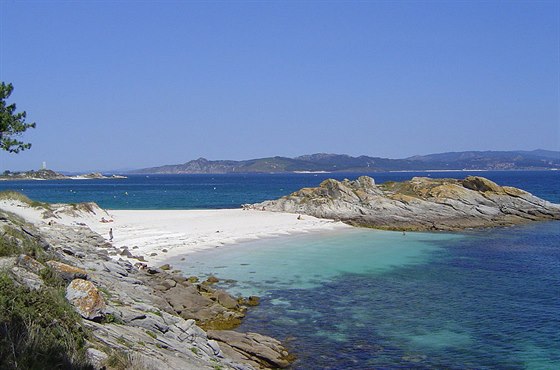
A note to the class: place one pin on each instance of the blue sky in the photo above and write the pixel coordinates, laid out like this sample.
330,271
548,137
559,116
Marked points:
129,84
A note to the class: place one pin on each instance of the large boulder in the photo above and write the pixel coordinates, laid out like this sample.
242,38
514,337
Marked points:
86,299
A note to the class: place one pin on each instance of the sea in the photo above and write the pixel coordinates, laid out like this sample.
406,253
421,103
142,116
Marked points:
370,299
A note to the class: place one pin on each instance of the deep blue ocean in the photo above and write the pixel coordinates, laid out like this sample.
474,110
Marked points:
367,299
230,191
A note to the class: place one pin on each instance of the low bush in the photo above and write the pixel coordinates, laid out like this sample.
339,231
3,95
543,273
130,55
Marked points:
39,329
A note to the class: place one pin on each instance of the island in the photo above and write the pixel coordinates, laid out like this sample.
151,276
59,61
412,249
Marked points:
420,204
44,174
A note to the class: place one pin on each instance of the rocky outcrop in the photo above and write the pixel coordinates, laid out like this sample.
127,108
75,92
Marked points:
42,174
45,174
418,204
155,317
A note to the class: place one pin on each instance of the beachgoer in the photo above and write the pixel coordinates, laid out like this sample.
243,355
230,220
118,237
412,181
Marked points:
299,217
111,234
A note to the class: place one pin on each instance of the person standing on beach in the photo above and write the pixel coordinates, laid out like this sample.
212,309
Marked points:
111,234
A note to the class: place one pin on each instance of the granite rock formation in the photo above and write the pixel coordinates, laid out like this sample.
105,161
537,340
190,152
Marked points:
418,204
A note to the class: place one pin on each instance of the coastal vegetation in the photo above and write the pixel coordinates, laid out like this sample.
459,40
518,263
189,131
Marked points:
14,195
38,327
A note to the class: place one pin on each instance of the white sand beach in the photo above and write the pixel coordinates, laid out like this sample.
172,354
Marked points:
161,234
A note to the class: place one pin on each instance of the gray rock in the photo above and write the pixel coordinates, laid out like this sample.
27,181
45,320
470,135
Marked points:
27,278
215,347
418,204
115,267
225,299
96,357
264,350
169,283
150,322
29,263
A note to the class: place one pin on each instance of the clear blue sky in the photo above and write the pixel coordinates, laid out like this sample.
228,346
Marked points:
129,84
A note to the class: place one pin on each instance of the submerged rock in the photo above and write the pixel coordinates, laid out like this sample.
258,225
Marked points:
418,204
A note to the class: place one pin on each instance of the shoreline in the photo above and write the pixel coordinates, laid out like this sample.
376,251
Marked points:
159,235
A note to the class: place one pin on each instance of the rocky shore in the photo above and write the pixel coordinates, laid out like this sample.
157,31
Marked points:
420,204
154,316
45,174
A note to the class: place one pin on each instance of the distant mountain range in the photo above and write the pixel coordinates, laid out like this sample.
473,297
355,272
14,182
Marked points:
472,160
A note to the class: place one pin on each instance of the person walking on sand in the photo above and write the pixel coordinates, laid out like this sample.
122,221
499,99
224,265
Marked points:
111,234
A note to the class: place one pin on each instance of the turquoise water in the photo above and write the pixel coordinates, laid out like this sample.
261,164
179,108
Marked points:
367,299
309,260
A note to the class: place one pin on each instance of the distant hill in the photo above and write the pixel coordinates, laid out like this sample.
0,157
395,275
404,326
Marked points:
322,162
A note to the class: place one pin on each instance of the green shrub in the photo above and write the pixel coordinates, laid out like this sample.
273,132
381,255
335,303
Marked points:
8,247
39,329
51,278
14,242
118,360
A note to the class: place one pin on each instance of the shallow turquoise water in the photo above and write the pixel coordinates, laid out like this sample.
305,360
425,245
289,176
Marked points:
364,299
309,260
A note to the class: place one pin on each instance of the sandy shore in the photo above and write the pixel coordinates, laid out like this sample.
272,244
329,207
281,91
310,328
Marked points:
158,235
184,231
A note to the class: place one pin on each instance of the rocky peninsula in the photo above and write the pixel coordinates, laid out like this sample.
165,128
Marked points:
45,174
122,313
420,204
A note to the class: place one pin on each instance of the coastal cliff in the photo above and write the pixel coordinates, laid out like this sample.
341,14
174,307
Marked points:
418,204
68,296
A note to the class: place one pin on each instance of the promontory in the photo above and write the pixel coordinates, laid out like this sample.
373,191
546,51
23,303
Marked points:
419,204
